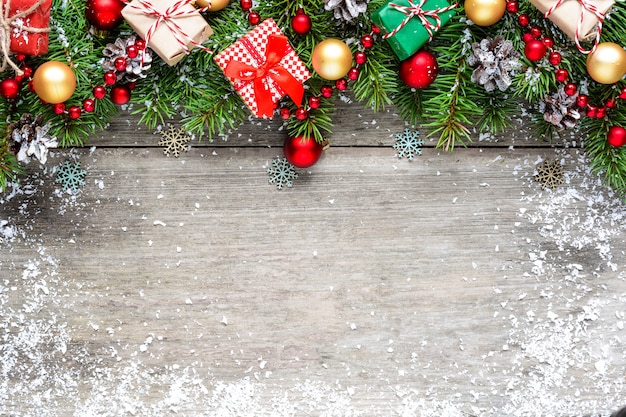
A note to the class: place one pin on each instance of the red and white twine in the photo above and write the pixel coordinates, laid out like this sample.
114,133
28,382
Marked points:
587,6
415,9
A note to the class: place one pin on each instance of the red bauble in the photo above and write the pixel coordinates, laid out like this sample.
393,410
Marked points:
104,14
420,70
120,94
10,88
301,23
535,50
616,136
302,152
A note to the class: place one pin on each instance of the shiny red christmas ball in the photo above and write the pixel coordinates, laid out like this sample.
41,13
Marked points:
419,70
301,22
10,88
535,50
616,136
302,152
104,14
120,94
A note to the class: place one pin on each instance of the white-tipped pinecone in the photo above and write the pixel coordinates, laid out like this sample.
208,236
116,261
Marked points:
496,59
136,67
29,138
346,9
560,109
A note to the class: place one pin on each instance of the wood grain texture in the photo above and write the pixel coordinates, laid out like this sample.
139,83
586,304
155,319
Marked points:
378,281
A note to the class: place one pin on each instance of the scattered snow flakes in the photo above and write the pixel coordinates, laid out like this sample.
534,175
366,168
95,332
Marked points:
408,144
550,174
70,176
174,140
282,173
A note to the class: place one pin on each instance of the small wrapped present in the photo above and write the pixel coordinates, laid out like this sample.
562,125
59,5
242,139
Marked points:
580,20
263,68
171,29
29,25
409,24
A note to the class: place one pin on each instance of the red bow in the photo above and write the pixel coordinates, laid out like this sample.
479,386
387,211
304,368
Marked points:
277,48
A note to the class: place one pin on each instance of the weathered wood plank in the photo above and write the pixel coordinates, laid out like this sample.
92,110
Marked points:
354,125
374,286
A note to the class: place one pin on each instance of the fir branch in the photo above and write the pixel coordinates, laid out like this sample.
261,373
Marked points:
9,166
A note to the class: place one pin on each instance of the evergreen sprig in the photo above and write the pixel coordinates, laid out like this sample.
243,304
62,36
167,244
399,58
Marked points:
452,109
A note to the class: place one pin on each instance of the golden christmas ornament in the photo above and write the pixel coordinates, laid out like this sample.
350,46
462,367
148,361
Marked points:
331,59
213,5
607,64
54,82
485,12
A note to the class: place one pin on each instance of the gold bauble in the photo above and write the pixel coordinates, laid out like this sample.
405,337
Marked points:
54,82
485,12
213,5
607,64
331,59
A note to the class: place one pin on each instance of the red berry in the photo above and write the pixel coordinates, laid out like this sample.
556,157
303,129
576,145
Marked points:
99,92
132,51
523,20
140,44
610,103
353,74
601,113
28,71
285,113
315,102
570,89
246,4
375,29
554,58
301,113
74,112
327,92
58,108
360,57
110,78
561,75
120,63
592,111
527,37
512,6
582,100
367,41
89,105
548,42
623,93
120,94
254,18
536,32
341,84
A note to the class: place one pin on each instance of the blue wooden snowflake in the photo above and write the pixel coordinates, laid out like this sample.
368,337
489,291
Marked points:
282,173
71,176
408,144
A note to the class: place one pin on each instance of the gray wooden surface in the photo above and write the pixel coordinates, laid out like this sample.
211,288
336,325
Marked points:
376,286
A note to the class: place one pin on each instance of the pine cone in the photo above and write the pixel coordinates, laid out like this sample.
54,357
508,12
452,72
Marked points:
29,137
560,109
496,59
135,69
346,9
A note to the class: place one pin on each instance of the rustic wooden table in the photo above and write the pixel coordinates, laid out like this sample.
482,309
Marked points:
444,286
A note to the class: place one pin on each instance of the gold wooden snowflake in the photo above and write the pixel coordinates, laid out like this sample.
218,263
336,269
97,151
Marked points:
550,174
174,140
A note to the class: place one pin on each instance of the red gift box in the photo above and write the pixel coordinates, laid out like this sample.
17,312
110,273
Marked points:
29,33
263,68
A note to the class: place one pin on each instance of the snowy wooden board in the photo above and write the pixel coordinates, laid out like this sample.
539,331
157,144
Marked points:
376,286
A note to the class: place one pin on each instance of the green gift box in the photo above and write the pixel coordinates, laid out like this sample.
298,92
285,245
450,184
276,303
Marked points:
403,23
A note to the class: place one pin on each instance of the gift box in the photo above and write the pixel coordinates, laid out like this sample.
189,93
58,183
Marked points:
263,68
567,16
409,24
29,21
171,29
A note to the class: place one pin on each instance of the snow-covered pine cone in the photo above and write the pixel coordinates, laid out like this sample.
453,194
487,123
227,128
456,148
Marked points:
560,109
346,9
496,59
135,69
29,138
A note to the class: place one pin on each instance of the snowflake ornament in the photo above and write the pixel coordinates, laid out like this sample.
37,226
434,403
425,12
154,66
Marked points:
71,176
408,144
174,140
550,174
282,173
